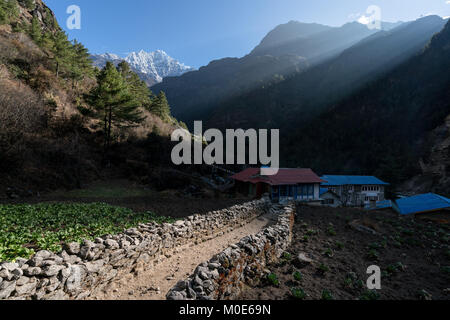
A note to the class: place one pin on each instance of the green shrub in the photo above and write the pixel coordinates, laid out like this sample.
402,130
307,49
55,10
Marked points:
298,276
323,268
327,295
298,293
331,231
287,256
372,255
370,295
339,245
273,279
328,253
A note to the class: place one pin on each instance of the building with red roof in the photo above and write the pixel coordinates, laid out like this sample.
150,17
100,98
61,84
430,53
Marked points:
287,184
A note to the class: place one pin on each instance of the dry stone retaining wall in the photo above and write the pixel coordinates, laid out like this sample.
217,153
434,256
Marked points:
80,270
226,274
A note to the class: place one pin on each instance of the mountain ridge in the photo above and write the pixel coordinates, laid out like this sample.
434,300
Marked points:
305,95
394,127
195,94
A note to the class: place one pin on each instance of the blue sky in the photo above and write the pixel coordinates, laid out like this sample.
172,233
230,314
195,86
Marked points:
198,31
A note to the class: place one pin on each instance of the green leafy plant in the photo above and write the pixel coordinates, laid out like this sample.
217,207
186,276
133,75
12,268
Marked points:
372,255
331,231
370,295
287,256
273,279
328,253
298,276
339,245
323,268
298,293
25,229
395,268
327,295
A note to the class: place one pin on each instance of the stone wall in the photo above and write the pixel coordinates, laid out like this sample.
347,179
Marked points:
226,274
81,269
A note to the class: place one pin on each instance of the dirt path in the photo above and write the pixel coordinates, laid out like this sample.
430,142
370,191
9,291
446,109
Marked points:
156,282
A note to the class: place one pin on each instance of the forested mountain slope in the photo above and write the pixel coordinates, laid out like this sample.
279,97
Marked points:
195,95
388,127
303,96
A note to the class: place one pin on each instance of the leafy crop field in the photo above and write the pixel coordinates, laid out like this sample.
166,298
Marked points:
413,256
25,229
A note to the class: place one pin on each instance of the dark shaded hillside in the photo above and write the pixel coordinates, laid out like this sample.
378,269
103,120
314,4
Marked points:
382,128
195,95
302,97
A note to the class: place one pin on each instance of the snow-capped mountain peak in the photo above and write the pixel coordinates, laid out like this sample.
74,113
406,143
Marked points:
110,56
157,64
152,67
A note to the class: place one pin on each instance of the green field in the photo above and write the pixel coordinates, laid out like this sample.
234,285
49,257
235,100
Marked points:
111,189
25,229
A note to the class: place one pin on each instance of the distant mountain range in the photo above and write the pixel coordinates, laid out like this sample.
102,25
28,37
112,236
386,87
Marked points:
396,126
304,95
152,67
346,100
289,49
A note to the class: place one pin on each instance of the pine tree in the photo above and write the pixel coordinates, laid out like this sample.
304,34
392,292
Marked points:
61,50
9,10
30,5
113,104
80,63
160,107
47,41
36,31
138,89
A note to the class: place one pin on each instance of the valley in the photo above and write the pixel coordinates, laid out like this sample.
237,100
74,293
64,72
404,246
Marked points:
95,206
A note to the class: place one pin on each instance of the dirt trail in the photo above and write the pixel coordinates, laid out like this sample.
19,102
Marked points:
153,284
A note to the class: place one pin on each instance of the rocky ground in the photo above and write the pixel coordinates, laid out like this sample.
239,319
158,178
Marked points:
332,249
153,284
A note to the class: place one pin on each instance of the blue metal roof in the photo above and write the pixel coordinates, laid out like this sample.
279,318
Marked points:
351,180
421,203
323,191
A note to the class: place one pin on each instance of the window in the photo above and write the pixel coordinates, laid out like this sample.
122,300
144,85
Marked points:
291,191
371,188
328,201
275,189
283,191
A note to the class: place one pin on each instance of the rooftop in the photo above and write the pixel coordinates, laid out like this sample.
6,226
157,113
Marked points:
422,203
283,177
332,180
